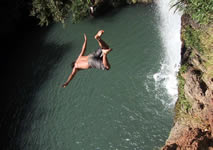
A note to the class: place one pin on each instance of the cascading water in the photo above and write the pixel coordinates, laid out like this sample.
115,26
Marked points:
169,27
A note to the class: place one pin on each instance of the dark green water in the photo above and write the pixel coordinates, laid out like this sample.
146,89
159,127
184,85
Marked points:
100,110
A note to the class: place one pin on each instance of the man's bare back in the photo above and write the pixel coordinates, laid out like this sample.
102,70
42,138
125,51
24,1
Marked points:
82,63
97,59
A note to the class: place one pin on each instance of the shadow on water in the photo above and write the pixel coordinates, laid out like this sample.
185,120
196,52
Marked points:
27,63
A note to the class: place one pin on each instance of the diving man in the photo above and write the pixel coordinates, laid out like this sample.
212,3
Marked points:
97,59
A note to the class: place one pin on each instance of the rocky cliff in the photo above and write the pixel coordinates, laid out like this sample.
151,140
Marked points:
193,123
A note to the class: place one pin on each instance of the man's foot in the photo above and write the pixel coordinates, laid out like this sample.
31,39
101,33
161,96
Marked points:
98,35
106,51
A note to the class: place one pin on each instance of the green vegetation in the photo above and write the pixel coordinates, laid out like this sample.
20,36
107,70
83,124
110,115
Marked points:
192,38
183,105
200,10
58,10
48,11
201,40
198,39
206,39
80,9
183,69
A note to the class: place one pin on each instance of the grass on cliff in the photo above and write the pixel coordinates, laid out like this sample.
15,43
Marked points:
201,40
182,105
206,39
192,38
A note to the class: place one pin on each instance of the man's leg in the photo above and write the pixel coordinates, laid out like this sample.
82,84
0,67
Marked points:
101,43
105,49
105,60
97,53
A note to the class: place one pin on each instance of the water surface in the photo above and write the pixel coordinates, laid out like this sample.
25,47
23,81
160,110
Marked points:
99,110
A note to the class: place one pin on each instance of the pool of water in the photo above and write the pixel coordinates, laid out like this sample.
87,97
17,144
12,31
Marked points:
99,110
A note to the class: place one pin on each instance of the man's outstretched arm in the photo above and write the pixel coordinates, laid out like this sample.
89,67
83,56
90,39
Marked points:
70,77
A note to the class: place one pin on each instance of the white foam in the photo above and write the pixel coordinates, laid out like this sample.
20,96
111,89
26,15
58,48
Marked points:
169,27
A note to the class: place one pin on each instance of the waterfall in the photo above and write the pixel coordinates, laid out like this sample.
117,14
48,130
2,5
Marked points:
169,27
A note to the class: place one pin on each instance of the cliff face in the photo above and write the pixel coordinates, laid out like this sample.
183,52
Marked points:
193,125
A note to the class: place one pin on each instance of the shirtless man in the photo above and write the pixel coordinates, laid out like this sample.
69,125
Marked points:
97,59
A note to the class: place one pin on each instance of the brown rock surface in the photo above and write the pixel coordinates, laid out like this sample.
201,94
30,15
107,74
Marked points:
192,139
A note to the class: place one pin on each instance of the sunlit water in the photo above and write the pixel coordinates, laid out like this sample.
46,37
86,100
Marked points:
99,110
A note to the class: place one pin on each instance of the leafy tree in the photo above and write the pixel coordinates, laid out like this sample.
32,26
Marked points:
80,9
200,10
58,10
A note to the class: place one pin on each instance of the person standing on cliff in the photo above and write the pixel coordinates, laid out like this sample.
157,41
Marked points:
97,59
